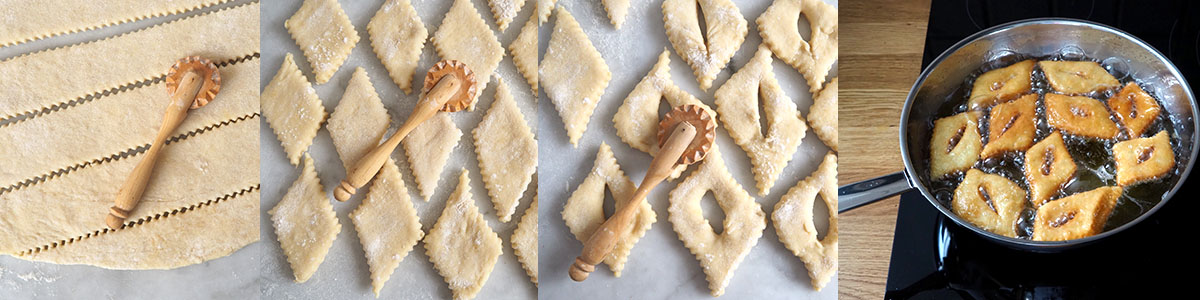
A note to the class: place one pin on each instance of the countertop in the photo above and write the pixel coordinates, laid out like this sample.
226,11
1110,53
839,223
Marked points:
881,60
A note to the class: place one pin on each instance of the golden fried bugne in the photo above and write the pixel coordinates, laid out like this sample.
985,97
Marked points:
1001,85
1143,159
1011,127
989,201
1077,216
1048,166
955,145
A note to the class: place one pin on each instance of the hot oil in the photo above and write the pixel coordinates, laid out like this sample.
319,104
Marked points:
1093,157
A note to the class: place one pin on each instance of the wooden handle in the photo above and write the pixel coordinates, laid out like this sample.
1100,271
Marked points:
369,164
131,191
605,238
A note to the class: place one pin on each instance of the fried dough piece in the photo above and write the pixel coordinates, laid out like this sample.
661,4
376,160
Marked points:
1001,84
1078,216
1011,126
1143,159
1048,166
1077,77
1082,116
955,145
1134,108
989,201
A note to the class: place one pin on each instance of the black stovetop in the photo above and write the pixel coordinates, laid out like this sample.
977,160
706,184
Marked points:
934,258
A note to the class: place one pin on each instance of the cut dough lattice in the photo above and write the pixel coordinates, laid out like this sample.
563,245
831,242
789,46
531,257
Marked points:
771,148
719,254
637,119
793,220
29,20
507,152
387,224
359,121
544,8
292,109
617,9
780,30
305,223
584,211
464,36
524,54
504,11
397,35
325,35
428,148
706,50
460,245
525,241
574,75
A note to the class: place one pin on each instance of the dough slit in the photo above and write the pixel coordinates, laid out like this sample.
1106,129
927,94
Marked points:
34,20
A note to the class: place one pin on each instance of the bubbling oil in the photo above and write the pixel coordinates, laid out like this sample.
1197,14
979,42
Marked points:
1093,157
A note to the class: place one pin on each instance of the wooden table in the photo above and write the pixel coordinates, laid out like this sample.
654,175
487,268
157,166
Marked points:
877,67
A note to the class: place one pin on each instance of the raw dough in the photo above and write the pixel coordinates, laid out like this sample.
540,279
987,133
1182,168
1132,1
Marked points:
637,119
738,101
292,109
77,71
359,122
305,223
387,224
525,241
428,147
574,75
707,50
504,11
1048,167
780,30
524,53
323,31
793,220
397,35
507,152
617,9
464,36
1081,116
719,254
1143,159
460,245
29,20
823,114
544,8
584,211
1135,108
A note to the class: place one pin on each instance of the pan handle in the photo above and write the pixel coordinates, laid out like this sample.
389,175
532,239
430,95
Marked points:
871,190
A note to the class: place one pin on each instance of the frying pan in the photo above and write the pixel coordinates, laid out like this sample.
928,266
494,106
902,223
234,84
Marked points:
1038,38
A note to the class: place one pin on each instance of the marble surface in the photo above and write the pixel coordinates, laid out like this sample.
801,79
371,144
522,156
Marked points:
344,274
659,266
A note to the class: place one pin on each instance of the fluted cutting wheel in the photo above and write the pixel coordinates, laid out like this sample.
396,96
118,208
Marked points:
201,66
466,92
706,131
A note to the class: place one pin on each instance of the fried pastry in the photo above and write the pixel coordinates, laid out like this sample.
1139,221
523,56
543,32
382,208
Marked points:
1001,85
1011,126
1082,116
1048,166
989,201
955,145
1077,77
1078,216
1143,159
1134,108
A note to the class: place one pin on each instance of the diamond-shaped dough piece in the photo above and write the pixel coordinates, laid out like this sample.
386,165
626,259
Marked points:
793,220
544,8
1077,77
1143,159
507,152
524,53
637,119
1011,127
387,224
525,241
1048,167
955,144
719,254
460,245
305,223
397,36
1001,85
706,50
823,114
989,201
738,101
574,75
780,31
1135,109
617,9
464,36
428,148
1081,116
1077,216
323,31
292,109
584,211
359,121
504,11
